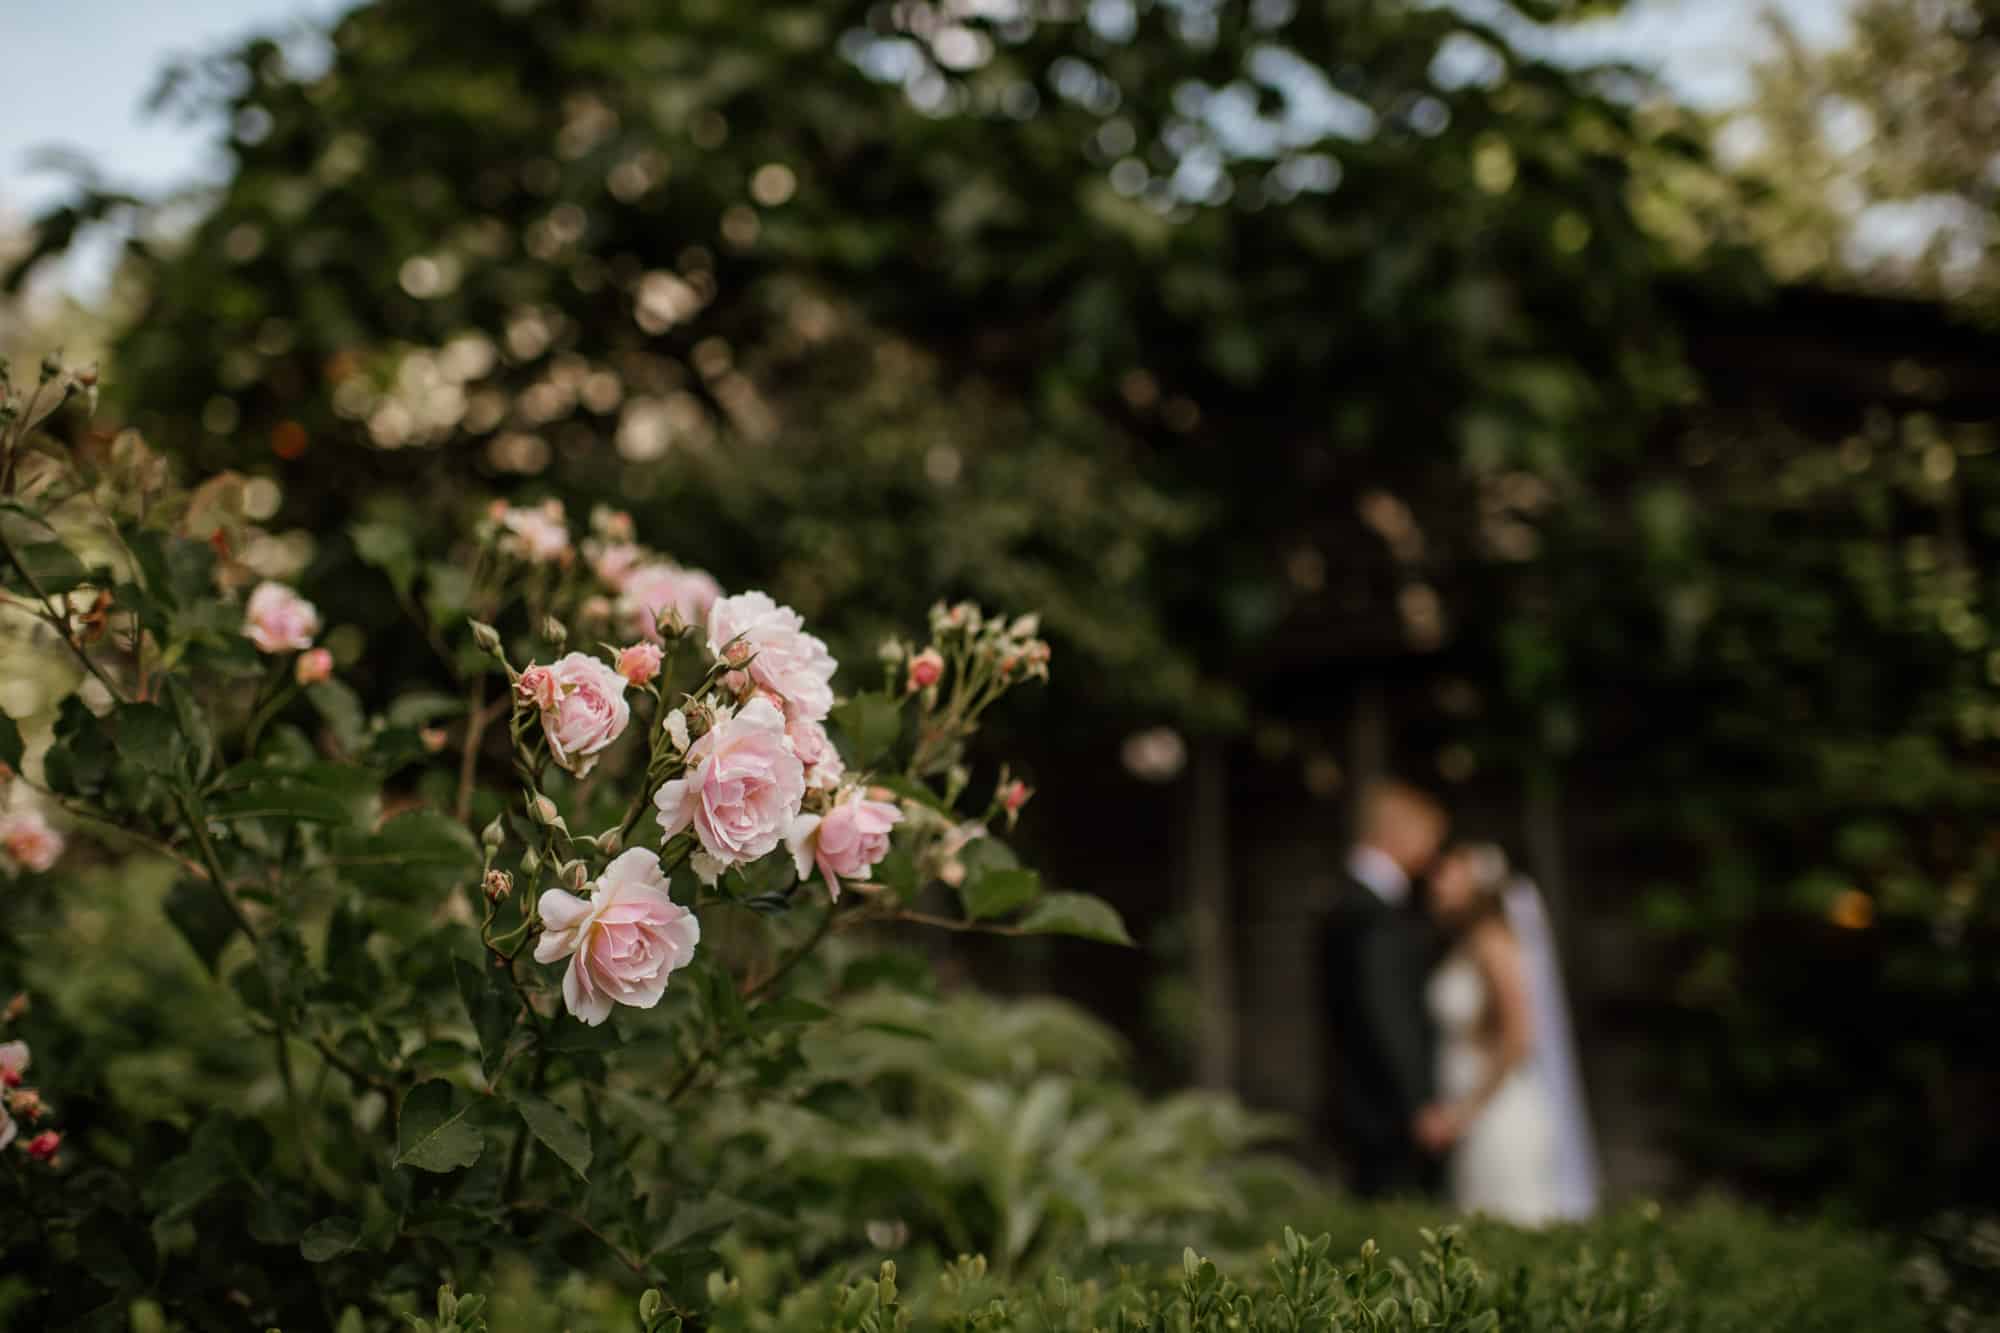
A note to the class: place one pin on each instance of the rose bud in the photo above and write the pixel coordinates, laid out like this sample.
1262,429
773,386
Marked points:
497,884
1016,795
43,1146
433,738
13,1063
639,663
314,665
926,669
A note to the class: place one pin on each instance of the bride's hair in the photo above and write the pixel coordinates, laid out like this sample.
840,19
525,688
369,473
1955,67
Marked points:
1487,865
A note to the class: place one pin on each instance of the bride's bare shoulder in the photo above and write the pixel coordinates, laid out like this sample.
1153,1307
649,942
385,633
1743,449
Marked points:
1491,941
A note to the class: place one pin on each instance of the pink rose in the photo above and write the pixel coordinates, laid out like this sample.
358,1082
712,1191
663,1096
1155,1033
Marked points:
651,591
614,523
537,688
926,669
27,842
614,562
846,842
539,535
13,1063
816,751
639,663
787,661
314,665
622,942
278,620
741,788
582,702
43,1146
1016,795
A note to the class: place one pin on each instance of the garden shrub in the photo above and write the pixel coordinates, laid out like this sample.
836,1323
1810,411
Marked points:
1717,1268
313,1026
328,998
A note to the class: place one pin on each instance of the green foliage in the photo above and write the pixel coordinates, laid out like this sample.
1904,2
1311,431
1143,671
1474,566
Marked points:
901,323
1717,1268
966,1124
1058,318
295,1011
1814,651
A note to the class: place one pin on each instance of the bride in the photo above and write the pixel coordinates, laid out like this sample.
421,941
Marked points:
1494,1116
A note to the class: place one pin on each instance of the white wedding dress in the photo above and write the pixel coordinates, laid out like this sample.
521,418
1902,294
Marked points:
1505,1163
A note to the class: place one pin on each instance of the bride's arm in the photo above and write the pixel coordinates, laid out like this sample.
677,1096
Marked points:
1497,954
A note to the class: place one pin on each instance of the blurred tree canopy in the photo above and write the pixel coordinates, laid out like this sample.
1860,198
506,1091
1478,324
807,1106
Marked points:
1051,303
1239,337
1872,162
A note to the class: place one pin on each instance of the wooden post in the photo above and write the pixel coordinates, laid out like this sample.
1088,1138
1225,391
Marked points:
1543,820
1206,865
1367,749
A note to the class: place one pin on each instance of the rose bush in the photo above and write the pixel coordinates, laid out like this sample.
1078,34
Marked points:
443,993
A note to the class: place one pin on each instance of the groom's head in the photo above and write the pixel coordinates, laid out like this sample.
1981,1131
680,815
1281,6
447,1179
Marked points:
1406,824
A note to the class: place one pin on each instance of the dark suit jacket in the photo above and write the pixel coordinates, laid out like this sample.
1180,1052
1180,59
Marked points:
1376,960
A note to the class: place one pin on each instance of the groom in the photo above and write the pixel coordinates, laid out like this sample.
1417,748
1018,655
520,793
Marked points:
1377,956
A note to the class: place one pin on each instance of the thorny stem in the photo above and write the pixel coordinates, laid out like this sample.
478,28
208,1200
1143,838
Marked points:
198,825
624,1256
331,1054
268,710
479,716
942,923
709,1050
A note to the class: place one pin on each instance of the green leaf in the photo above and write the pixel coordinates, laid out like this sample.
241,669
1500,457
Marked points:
911,789
389,548
329,1239
193,724
340,708
321,792
196,911
11,745
998,892
789,1009
213,1159
81,755
437,1057
277,980
416,853
982,856
52,565
557,1132
176,571
871,723
1078,914
489,1003
414,710
897,872
149,737
434,1135
582,1039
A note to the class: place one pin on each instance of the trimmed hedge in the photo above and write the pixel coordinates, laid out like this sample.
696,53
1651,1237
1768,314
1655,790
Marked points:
1714,1267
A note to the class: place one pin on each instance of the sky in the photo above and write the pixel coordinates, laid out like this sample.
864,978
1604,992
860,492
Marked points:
78,74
